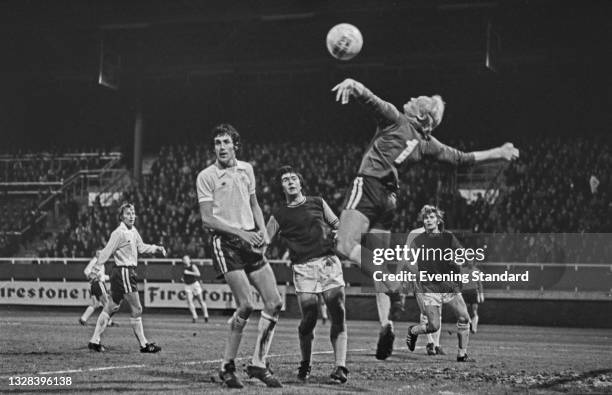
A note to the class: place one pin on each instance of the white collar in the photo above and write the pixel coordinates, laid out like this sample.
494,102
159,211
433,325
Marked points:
240,165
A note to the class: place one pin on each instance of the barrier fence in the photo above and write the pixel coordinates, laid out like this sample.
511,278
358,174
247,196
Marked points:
547,281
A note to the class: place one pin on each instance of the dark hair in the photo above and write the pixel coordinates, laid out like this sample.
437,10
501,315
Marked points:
279,178
226,128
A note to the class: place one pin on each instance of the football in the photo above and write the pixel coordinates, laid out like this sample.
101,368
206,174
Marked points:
344,41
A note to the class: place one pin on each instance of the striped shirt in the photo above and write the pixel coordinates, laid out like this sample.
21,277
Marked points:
124,246
230,190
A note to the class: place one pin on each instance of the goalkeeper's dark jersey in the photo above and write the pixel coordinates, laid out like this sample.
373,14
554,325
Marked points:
397,142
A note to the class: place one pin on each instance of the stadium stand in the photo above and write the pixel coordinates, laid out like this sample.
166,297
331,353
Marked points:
541,193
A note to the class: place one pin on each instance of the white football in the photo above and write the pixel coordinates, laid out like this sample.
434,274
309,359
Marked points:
344,41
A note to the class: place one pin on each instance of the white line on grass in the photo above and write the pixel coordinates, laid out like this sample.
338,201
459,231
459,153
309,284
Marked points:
192,362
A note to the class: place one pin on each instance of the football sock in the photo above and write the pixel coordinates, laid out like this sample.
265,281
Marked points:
436,334
237,325
337,332
266,326
430,336
204,310
383,304
306,345
339,344
192,309
463,337
419,329
309,310
138,330
88,312
103,319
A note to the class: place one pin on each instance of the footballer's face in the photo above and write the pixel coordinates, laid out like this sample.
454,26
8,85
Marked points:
292,186
225,149
424,107
186,260
431,222
128,216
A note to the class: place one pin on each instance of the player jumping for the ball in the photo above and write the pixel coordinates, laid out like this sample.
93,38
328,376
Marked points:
228,205
400,139
304,224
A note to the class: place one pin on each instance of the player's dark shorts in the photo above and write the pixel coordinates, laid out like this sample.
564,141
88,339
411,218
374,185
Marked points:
123,280
470,296
374,199
233,253
97,289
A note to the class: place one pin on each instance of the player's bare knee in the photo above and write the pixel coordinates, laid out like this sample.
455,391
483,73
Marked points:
244,310
463,319
432,326
307,324
136,312
273,307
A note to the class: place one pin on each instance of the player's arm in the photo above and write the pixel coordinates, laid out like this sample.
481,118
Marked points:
444,153
328,214
256,209
194,272
89,268
506,152
455,245
480,295
110,247
211,222
272,227
382,110
259,218
144,248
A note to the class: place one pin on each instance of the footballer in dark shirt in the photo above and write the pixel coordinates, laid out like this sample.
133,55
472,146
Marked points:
435,283
304,224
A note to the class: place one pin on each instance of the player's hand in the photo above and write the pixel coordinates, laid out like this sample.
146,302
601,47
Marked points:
253,238
345,89
161,250
480,297
264,249
266,238
508,152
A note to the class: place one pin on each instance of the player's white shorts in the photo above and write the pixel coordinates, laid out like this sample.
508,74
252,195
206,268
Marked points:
193,289
435,298
318,275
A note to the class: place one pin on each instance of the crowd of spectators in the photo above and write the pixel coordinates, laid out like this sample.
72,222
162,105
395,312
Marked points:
46,167
549,189
18,214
